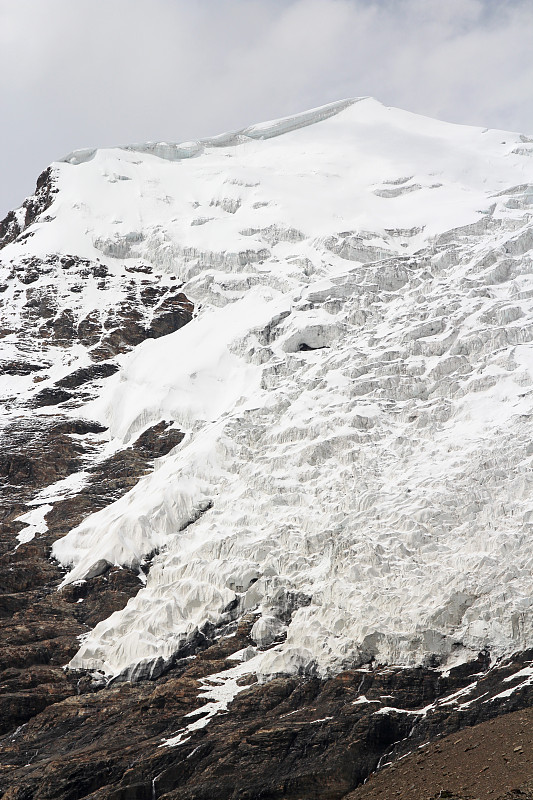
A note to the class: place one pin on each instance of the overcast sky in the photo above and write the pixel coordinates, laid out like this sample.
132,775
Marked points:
81,73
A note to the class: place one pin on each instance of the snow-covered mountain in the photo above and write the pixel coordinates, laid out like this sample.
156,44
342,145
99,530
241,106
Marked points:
355,386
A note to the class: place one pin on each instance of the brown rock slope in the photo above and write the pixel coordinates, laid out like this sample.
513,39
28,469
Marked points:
491,760
39,626
292,738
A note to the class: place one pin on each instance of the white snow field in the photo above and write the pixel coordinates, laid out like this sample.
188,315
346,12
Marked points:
356,389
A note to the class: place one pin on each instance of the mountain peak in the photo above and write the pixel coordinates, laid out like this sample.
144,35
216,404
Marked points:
270,393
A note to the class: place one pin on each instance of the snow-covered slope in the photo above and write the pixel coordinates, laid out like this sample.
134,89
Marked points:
356,388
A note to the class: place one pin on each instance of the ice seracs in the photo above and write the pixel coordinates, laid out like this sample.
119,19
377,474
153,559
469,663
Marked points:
356,389
263,130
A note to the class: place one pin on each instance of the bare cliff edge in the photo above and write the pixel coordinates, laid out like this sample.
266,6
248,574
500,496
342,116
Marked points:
265,464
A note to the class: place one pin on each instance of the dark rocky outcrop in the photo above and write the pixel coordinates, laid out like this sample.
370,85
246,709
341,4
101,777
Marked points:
39,626
112,477
87,374
16,367
36,451
51,396
58,314
16,222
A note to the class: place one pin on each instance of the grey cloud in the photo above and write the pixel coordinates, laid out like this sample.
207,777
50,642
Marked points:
76,74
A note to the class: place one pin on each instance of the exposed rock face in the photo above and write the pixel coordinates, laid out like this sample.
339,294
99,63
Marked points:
49,314
13,225
39,626
289,738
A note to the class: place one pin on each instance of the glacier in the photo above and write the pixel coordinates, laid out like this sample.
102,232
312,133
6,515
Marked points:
356,389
